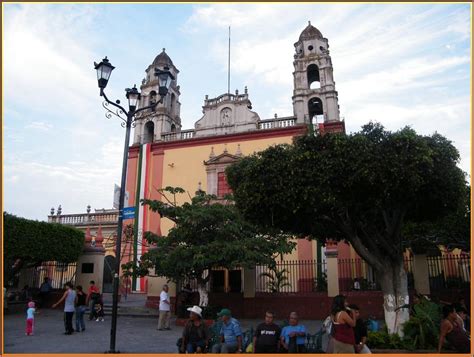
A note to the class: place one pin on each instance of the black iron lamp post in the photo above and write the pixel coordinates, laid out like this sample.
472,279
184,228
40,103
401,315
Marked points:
104,70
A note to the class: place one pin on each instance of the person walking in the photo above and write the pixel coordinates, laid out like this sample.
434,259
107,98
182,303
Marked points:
360,332
230,334
267,336
343,325
30,319
293,336
81,306
93,296
165,310
45,290
195,334
452,331
68,297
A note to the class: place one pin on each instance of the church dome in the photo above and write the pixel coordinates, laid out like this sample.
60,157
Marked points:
310,32
163,59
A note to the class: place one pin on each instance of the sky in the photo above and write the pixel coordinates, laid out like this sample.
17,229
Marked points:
397,64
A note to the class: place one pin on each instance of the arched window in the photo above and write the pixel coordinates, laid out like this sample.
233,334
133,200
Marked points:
315,110
172,103
313,76
173,128
149,133
152,97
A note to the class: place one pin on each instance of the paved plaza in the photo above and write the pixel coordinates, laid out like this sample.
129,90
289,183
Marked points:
134,335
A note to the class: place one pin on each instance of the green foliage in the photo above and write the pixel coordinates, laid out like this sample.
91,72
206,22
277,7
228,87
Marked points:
364,187
277,279
34,242
383,340
422,329
206,235
451,230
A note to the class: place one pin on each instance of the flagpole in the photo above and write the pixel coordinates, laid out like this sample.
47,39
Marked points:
228,68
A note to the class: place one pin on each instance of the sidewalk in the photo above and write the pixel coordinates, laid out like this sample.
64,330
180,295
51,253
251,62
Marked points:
134,335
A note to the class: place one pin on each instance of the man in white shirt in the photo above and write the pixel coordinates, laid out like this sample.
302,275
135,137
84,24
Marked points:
165,310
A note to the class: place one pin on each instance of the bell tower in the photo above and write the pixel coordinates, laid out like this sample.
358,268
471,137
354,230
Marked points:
314,93
150,124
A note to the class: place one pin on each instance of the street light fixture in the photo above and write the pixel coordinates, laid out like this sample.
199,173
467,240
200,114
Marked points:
104,70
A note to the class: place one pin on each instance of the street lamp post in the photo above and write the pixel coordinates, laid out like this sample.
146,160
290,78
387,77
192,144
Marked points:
104,70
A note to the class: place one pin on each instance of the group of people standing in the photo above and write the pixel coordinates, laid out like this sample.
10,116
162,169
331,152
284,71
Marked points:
76,301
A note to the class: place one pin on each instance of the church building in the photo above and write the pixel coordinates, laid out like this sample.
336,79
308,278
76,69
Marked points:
165,154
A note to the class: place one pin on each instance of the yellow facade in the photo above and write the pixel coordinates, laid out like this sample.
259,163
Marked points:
184,167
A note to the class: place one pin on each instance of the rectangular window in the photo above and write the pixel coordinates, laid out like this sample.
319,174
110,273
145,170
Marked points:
217,281
235,281
87,268
222,186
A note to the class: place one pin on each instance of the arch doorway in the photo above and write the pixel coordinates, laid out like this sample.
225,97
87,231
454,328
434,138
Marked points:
108,278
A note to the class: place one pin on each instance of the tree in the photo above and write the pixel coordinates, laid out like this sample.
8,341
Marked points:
29,242
452,230
207,234
364,188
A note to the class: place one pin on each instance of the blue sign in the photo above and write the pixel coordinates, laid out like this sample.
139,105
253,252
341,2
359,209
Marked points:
128,212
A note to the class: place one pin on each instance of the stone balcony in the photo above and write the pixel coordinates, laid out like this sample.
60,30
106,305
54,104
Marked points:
107,217
265,124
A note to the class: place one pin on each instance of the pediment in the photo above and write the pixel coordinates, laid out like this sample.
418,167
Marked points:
224,158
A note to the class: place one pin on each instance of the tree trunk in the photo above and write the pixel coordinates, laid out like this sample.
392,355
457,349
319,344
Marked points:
393,281
203,294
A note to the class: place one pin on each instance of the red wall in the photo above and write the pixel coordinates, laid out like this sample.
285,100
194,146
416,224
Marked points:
309,306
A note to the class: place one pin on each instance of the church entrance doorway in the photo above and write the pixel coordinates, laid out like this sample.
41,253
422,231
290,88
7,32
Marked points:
108,278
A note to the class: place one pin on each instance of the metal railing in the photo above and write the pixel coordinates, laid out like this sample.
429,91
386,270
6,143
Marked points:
449,271
356,274
294,276
58,274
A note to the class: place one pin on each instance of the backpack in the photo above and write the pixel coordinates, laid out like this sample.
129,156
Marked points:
328,325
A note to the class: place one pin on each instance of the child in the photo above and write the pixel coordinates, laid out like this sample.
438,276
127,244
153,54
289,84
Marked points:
30,318
99,311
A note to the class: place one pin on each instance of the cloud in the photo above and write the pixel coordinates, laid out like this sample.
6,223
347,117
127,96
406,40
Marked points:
39,125
42,61
48,55
398,64
72,184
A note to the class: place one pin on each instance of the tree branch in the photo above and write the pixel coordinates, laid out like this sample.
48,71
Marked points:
356,242
365,253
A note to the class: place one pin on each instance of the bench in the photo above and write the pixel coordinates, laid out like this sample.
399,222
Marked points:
313,343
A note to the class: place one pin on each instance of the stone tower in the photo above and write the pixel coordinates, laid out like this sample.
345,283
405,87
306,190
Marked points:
165,118
314,93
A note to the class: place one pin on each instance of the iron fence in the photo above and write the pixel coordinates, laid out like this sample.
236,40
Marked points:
449,271
58,274
294,276
356,274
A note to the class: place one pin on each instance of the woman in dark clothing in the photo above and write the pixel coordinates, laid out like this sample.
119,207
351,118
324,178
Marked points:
81,307
452,331
196,334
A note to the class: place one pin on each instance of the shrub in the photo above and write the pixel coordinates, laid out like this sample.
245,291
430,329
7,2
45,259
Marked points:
421,330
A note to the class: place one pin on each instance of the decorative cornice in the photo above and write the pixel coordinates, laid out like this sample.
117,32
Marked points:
229,138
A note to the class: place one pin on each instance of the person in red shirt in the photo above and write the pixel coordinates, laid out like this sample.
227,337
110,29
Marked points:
93,298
